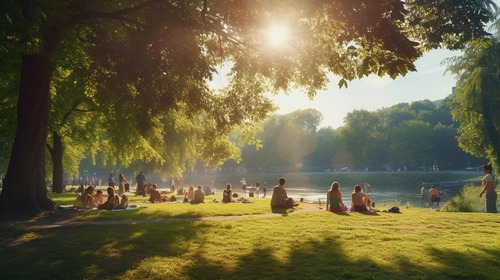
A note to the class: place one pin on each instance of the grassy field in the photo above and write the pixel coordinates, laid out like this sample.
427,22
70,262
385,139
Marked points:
247,241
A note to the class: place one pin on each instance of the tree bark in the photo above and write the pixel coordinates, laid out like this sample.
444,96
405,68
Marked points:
24,188
56,153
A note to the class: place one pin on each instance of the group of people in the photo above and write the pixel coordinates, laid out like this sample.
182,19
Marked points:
255,189
360,201
124,184
430,197
88,200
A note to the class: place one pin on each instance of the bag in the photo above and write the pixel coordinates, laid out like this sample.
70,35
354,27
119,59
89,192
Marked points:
173,198
393,209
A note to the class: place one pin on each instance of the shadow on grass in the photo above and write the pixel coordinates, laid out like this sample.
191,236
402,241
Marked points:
282,211
101,252
327,260
89,251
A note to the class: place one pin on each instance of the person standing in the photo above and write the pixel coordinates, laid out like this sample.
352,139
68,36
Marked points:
122,181
489,190
111,181
279,199
243,183
140,180
212,185
424,195
434,196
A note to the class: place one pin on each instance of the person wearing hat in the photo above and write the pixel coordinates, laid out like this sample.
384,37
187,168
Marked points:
489,190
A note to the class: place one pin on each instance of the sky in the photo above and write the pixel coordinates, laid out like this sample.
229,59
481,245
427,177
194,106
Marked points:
373,92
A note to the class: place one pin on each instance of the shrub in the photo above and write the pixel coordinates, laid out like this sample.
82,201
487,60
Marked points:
467,201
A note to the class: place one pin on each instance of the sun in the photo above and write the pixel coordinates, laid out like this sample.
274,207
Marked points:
277,35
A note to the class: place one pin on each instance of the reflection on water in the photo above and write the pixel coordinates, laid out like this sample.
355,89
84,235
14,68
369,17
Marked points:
313,195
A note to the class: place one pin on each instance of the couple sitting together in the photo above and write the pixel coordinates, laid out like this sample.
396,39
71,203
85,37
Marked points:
361,202
87,201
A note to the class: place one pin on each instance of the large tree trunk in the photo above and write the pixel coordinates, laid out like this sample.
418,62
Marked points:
24,188
56,153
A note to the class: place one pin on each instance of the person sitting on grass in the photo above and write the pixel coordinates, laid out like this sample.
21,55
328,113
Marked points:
334,201
124,203
199,196
360,201
112,201
87,198
190,193
226,195
154,194
99,199
279,199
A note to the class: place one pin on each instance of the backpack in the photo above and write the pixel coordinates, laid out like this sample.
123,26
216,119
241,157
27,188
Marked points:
393,209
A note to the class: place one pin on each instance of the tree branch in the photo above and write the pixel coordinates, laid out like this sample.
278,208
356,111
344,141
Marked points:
118,14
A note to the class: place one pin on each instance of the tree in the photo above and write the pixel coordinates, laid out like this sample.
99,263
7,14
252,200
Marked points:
361,134
411,143
477,99
326,148
160,54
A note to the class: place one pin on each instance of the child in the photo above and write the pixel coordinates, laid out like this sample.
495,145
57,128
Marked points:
99,199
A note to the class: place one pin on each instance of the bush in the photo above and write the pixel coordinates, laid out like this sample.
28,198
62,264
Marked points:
467,201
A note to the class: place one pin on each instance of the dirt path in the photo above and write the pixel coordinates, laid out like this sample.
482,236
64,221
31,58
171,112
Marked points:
65,219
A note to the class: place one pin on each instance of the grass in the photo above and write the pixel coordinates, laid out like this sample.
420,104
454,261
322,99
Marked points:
416,244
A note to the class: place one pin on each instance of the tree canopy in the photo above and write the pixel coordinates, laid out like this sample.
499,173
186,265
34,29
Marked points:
477,98
145,64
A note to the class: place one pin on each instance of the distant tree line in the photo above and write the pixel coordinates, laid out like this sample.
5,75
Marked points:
420,136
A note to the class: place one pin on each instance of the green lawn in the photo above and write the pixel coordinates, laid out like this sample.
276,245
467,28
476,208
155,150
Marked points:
302,244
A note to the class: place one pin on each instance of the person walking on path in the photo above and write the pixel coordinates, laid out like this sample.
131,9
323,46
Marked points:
489,190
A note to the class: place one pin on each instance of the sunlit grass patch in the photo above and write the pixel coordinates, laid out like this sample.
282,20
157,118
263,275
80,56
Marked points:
416,244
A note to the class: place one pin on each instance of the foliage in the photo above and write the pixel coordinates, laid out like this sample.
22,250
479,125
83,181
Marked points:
143,60
477,99
467,201
416,135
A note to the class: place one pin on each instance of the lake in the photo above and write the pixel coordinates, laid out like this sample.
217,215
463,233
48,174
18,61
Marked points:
387,196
